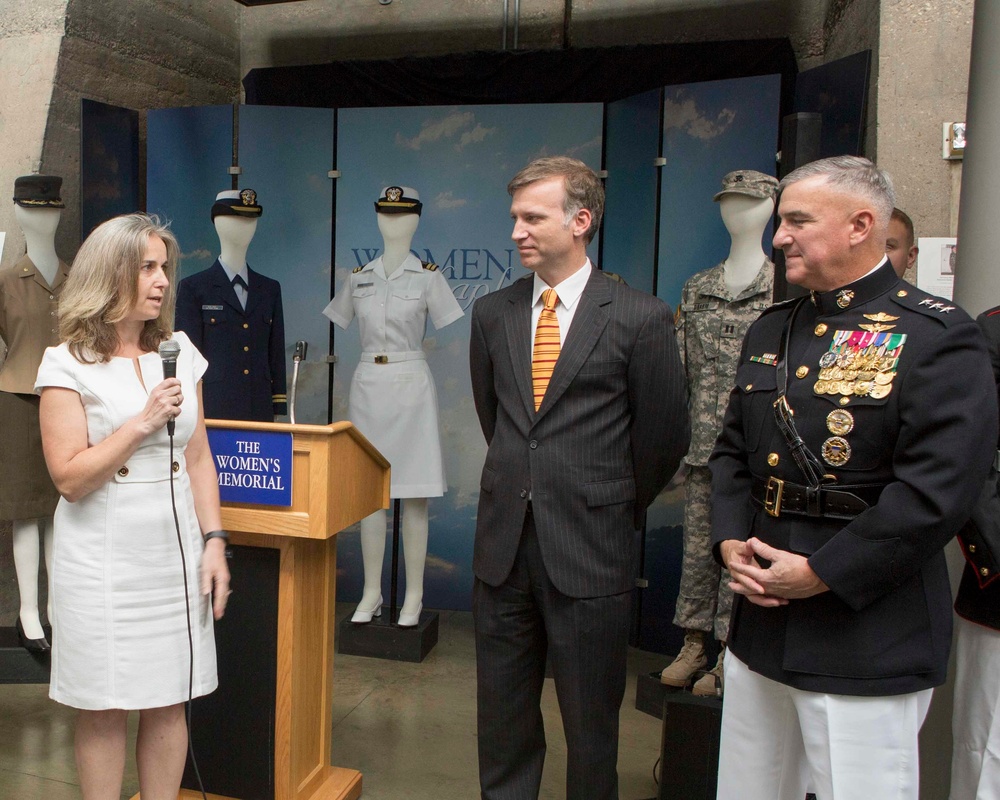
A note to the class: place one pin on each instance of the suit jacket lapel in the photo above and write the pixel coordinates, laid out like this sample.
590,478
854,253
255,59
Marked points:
589,322
518,323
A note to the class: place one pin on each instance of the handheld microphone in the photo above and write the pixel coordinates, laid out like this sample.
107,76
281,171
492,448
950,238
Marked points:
168,355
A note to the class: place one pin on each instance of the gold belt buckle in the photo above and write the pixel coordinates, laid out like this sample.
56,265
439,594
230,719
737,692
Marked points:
381,359
772,498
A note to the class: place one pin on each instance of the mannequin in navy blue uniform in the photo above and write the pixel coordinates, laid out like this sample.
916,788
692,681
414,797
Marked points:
233,316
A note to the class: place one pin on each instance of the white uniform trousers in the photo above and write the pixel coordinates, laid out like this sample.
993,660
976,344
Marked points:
777,742
975,763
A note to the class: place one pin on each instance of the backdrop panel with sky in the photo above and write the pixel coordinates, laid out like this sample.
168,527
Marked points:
460,159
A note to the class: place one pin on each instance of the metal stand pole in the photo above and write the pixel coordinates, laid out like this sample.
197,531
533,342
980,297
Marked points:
394,582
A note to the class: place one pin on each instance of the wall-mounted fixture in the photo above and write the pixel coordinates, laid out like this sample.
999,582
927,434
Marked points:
953,142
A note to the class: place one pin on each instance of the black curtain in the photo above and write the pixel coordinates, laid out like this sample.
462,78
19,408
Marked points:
594,75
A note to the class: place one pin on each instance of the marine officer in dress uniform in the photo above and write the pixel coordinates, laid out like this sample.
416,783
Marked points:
975,728
857,438
233,316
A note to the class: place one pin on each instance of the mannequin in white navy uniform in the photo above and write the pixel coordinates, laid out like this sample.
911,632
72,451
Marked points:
717,306
398,391
38,217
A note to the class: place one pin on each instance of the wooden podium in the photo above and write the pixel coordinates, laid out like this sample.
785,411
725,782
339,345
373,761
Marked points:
338,478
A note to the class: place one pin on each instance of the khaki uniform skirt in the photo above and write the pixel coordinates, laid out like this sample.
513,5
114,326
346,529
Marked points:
26,490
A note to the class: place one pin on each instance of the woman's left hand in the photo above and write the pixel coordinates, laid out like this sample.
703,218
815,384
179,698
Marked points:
215,575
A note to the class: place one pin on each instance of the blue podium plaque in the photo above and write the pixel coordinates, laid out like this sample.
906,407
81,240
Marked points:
253,466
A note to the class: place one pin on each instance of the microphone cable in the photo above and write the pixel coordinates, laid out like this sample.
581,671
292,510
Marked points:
187,613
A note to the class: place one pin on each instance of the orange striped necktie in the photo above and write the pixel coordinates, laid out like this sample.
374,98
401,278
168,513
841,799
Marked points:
546,352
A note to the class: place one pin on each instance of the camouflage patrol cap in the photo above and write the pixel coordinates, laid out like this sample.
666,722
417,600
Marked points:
748,182
38,191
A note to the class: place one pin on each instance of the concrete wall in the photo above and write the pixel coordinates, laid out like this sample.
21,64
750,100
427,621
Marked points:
30,37
324,30
924,57
138,54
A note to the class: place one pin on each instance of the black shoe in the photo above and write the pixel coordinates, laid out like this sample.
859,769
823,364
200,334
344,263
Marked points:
34,645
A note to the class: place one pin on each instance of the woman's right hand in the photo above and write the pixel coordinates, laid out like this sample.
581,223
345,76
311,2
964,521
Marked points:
163,405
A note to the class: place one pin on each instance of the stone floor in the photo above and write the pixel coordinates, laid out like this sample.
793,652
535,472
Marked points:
409,728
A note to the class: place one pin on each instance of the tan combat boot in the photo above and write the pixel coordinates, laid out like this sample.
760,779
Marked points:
711,683
689,660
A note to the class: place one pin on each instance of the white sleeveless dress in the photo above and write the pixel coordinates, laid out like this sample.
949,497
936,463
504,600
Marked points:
119,622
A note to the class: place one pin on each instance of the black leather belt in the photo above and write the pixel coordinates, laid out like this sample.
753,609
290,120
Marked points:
780,497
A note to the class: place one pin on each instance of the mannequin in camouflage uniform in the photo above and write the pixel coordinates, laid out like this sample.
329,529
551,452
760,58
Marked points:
717,306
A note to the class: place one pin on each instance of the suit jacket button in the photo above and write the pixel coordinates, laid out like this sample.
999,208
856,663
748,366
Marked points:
533,444
524,493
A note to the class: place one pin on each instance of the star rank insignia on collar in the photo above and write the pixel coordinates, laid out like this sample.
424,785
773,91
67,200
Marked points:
934,305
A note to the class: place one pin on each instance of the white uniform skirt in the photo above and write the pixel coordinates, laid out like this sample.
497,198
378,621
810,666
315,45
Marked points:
395,406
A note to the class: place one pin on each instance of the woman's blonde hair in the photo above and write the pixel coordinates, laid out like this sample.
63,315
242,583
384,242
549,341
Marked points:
103,287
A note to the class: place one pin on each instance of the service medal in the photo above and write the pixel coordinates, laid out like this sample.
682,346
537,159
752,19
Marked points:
884,378
820,386
862,388
828,359
836,451
839,422
881,390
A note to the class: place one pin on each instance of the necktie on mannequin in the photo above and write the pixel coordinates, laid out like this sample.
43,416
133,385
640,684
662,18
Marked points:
238,284
547,345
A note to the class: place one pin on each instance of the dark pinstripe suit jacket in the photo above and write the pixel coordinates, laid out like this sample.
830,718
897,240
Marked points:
610,432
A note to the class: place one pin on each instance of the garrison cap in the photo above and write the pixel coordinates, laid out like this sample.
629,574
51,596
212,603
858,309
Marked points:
236,203
38,191
399,200
748,182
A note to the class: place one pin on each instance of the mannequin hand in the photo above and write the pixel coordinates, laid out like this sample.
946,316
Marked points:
164,404
215,576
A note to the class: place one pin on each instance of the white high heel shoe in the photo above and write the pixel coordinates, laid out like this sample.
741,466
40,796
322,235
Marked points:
362,617
409,620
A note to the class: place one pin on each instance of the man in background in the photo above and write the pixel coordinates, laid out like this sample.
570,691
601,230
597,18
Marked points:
900,247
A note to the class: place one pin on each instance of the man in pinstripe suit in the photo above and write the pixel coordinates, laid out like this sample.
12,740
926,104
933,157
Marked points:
564,488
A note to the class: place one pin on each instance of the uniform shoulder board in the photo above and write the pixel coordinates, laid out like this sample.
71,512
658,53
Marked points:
356,270
939,308
429,266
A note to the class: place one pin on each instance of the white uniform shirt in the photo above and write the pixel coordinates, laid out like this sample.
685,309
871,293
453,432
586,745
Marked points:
392,312
568,292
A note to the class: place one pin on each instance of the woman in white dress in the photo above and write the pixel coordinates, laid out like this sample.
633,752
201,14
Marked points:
123,602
